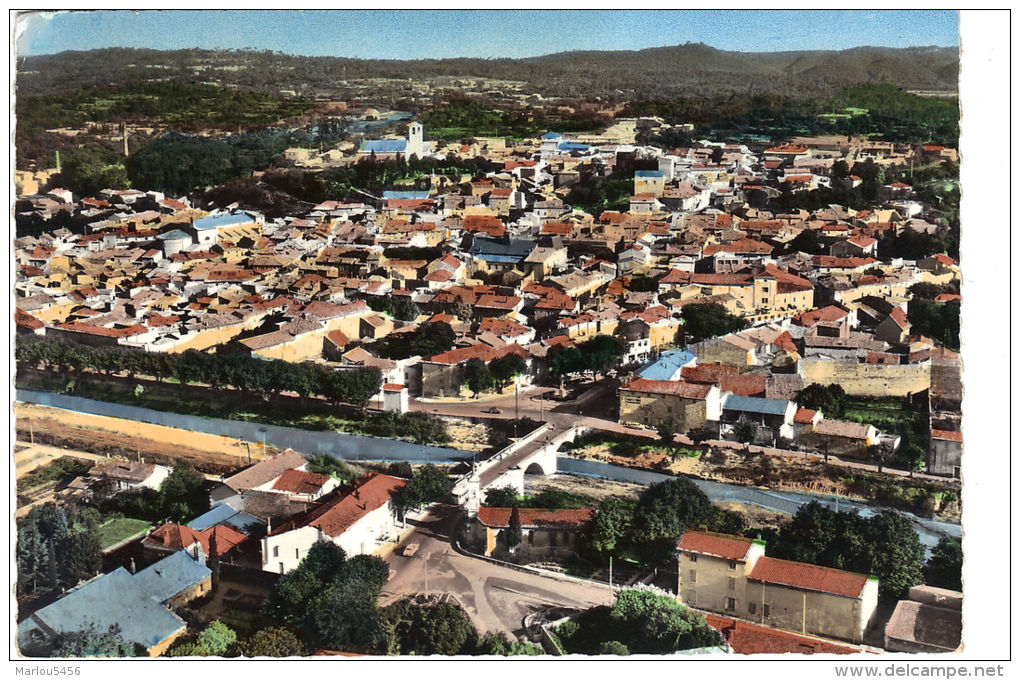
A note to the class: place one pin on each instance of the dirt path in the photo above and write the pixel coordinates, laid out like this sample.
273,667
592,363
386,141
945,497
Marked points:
122,438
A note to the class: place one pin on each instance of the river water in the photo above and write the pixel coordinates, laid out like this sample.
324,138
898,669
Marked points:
356,447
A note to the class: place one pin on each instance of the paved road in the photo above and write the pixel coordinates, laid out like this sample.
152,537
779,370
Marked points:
496,598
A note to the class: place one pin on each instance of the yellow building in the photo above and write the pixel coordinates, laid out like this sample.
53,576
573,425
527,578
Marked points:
732,576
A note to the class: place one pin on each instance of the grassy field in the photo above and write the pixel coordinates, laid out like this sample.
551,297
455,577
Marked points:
114,531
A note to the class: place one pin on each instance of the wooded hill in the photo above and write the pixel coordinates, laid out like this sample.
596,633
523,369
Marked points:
688,70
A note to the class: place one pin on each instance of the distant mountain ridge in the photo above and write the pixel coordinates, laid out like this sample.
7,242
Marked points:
691,69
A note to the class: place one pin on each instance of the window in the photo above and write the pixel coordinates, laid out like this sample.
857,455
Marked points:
733,566
531,538
297,553
752,608
566,538
276,551
692,598
693,558
765,610
733,583
692,576
731,604
281,567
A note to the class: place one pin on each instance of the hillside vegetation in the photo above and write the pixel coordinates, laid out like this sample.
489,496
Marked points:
692,69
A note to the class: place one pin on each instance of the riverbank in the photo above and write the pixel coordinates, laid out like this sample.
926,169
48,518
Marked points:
808,474
282,410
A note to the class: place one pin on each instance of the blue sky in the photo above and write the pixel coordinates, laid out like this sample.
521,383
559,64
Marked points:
398,34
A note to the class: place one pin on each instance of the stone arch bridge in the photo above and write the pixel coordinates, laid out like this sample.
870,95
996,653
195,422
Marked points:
535,453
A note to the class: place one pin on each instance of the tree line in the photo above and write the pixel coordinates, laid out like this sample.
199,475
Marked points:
267,378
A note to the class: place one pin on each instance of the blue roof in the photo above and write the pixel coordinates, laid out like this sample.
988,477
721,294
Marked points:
222,513
171,575
405,195
649,173
551,135
773,407
114,598
174,235
573,146
222,220
499,250
667,366
383,146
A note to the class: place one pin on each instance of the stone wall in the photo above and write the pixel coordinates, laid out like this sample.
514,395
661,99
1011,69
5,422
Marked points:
867,380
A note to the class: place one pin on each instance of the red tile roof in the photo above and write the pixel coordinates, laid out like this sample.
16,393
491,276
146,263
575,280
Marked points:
677,388
89,329
393,387
717,545
804,416
337,515
562,228
338,338
534,517
26,320
808,577
747,638
742,246
948,297
300,482
947,435
179,537
707,373
744,385
828,313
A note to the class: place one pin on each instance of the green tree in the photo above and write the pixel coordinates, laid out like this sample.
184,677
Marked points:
609,526
274,642
217,638
477,376
293,600
831,399
937,320
495,644
703,321
428,485
181,494
642,283
614,648
664,512
513,531
91,641
658,624
506,368
601,353
333,467
442,629
746,432
944,568
347,616
884,546
502,497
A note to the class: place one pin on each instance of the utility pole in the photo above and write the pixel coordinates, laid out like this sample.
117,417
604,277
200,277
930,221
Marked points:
516,413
